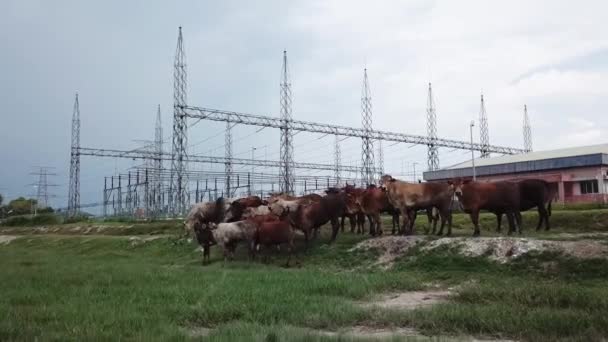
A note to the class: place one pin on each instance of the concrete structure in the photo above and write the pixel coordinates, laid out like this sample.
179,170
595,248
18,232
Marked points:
580,174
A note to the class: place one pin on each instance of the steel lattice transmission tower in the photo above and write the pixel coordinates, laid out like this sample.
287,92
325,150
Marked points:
431,129
367,172
228,156
484,134
42,187
380,160
158,163
286,177
527,131
179,175
74,187
337,161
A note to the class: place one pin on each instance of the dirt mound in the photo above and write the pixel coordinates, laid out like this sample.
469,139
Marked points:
391,247
409,300
500,249
504,249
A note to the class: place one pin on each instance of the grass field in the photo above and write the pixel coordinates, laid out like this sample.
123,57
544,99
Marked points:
69,284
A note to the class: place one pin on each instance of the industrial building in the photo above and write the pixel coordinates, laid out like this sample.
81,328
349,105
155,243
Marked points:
580,174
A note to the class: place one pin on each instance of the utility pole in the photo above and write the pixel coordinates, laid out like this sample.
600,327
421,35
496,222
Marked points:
414,167
367,157
158,165
472,151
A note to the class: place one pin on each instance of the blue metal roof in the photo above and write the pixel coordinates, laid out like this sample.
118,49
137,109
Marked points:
596,159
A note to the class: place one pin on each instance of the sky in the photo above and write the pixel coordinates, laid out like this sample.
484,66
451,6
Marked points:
118,56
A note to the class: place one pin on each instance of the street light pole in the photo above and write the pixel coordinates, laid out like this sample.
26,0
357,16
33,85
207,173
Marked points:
473,152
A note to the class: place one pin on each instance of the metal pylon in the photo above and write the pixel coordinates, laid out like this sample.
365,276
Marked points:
74,188
179,176
527,131
337,161
484,134
367,153
431,129
228,156
286,179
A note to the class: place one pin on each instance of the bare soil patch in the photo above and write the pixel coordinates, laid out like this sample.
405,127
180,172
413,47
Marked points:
6,239
409,300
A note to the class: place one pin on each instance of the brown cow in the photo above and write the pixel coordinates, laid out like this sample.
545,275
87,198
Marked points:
533,193
236,209
414,196
497,197
372,202
356,219
275,233
329,209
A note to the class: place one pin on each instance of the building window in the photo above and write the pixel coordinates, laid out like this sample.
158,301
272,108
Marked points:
589,187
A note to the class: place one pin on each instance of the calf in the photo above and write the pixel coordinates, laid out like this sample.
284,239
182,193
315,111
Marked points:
274,233
205,238
415,196
497,197
229,234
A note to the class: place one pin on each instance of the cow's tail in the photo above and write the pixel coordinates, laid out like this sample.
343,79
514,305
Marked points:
549,207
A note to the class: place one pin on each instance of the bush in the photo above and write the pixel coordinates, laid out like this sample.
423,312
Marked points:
25,221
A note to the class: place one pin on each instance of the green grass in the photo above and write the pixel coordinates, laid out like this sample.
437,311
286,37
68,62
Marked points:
108,287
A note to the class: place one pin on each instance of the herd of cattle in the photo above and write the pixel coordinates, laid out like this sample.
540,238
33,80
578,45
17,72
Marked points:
277,219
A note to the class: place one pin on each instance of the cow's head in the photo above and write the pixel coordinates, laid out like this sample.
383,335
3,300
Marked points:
351,203
385,181
457,186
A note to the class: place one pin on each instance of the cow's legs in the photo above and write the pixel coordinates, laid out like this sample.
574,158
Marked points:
334,229
498,221
518,221
395,221
543,215
372,225
475,218
406,217
353,222
378,223
342,222
511,219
